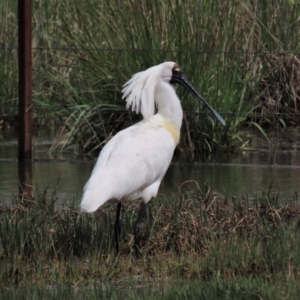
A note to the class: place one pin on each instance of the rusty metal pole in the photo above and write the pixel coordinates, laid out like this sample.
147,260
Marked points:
25,97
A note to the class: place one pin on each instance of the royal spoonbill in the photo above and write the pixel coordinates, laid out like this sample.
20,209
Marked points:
133,163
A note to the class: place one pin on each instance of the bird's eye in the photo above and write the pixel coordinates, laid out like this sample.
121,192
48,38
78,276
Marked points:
176,70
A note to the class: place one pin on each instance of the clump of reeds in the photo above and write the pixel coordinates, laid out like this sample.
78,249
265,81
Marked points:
280,92
84,52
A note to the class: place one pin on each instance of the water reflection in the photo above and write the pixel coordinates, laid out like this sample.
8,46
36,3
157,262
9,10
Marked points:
25,179
251,170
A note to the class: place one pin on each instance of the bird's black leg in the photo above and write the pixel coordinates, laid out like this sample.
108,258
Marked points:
118,227
138,227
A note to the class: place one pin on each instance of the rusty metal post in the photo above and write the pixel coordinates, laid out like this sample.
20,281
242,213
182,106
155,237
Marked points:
25,97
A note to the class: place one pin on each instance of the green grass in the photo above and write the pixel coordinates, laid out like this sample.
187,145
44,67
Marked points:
218,289
84,53
234,245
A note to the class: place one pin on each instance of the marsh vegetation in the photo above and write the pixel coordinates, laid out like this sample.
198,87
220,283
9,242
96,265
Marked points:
198,237
240,55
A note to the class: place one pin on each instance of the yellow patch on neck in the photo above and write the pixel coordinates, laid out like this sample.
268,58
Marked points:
175,132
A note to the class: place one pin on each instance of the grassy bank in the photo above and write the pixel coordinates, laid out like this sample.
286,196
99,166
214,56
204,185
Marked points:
218,289
236,53
234,245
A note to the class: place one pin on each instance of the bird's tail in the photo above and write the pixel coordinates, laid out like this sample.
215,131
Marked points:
92,199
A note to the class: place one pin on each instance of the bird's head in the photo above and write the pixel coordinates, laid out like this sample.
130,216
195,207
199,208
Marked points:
140,89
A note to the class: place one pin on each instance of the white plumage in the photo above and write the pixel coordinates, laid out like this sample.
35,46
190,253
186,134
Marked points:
133,163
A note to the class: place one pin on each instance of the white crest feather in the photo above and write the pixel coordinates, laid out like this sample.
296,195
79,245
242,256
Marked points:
139,91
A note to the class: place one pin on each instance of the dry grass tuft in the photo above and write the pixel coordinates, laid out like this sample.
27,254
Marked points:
280,90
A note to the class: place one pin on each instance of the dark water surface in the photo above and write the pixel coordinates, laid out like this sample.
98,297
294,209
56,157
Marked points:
248,171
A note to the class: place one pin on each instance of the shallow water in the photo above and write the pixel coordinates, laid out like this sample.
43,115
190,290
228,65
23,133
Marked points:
248,171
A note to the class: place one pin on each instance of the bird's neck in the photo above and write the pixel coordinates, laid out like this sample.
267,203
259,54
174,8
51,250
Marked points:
169,110
169,106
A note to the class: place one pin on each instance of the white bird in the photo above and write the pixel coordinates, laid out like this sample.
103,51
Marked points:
133,163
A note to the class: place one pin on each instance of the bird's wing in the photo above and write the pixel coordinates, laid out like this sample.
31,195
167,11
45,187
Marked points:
131,161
